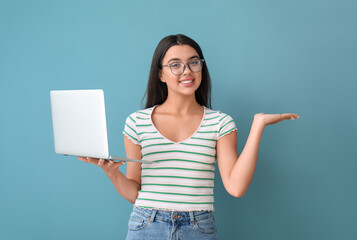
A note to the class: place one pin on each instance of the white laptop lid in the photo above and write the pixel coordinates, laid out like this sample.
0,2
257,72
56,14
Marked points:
79,123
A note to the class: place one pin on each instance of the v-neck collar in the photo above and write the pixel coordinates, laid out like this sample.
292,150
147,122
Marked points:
199,126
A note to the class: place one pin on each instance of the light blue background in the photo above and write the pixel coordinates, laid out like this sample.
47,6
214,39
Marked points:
264,56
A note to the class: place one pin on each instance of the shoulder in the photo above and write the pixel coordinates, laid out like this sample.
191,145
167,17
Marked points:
135,122
143,114
210,113
224,122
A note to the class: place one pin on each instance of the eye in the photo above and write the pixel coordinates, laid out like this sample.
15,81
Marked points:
175,65
195,62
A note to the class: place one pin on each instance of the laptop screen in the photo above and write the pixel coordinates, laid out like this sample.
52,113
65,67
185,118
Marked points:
79,123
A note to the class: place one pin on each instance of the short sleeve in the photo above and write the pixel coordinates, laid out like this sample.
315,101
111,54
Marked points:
226,125
130,128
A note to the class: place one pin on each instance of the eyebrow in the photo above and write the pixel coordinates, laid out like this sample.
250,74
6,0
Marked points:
178,59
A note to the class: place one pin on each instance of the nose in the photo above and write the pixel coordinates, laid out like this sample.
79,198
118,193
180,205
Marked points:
186,69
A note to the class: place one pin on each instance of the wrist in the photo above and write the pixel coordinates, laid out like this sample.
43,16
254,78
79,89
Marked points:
258,122
112,175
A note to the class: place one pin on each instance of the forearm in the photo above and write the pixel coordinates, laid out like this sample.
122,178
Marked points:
243,170
127,188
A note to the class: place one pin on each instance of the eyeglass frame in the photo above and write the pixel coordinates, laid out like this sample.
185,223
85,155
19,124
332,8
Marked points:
184,66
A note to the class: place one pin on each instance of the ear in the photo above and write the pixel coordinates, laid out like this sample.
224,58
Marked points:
161,77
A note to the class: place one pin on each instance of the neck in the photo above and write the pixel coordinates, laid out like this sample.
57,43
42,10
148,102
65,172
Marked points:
179,104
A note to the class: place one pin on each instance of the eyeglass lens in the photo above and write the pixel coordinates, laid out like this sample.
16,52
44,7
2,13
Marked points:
178,68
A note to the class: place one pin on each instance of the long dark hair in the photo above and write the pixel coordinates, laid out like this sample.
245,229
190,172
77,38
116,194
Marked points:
156,91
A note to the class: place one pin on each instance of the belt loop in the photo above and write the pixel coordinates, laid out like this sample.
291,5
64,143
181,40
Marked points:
153,214
192,218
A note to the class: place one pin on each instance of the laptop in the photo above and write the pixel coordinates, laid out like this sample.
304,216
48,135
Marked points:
79,124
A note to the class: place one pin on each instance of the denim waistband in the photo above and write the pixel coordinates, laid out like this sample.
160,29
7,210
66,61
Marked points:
163,215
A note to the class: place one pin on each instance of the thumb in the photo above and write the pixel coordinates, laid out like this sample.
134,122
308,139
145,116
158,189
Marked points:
118,164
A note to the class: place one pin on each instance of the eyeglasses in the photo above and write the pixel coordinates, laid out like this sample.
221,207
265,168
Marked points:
177,68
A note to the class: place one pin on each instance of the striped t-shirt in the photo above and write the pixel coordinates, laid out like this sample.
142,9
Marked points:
181,175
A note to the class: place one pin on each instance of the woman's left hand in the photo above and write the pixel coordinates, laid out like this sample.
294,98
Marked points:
268,119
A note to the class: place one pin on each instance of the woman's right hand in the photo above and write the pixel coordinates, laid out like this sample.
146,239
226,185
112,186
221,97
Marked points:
111,168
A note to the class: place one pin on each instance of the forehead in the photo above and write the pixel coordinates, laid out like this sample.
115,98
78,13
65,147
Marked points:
182,52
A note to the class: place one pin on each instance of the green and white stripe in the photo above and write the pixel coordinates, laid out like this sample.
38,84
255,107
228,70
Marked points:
181,176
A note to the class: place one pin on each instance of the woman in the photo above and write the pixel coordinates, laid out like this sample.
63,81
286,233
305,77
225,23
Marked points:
182,137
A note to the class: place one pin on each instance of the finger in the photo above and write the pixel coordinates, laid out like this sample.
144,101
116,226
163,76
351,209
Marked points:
293,116
118,164
289,116
101,162
285,115
83,159
91,160
110,163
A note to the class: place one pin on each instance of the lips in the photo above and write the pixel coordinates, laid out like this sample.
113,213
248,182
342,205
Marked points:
186,80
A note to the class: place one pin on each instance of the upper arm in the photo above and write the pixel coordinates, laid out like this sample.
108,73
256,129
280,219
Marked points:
227,156
133,169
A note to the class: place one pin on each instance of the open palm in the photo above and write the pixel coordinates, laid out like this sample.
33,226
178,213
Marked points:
268,119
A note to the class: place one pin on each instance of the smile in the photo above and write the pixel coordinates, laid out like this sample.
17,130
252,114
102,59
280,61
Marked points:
187,81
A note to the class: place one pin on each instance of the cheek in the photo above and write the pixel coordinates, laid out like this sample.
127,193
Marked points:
170,78
165,77
198,78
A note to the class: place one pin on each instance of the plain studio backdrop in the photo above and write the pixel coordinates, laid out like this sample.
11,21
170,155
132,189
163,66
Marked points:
264,56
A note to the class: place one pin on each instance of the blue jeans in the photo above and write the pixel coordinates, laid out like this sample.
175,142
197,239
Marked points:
156,224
